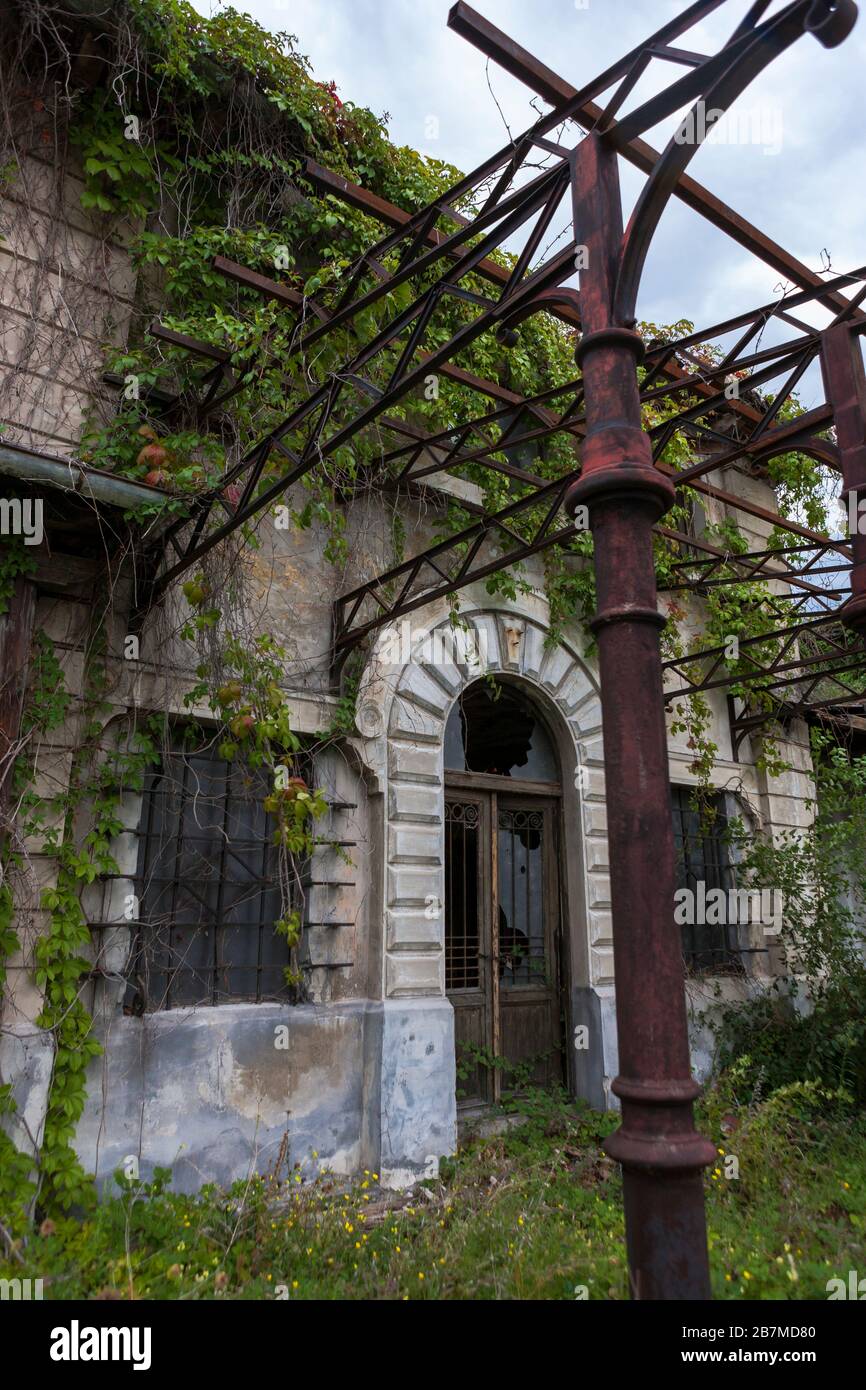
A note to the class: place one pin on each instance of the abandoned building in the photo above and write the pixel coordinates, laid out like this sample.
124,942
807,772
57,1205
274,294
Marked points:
453,904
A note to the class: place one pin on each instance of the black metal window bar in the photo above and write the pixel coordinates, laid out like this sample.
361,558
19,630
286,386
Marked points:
702,859
522,954
462,944
207,885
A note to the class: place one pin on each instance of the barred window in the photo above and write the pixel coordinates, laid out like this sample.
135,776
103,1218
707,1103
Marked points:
703,864
207,886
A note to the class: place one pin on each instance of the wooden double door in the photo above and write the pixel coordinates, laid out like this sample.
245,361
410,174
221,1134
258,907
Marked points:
503,969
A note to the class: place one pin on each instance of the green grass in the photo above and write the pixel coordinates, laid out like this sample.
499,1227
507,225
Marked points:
534,1213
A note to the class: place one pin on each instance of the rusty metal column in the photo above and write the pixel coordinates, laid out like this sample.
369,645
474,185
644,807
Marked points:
661,1154
845,385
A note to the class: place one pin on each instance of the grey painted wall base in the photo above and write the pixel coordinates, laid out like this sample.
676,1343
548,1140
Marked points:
212,1093
587,1056
417,1088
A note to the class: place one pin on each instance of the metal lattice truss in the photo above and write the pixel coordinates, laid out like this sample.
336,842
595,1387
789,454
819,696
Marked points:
383,328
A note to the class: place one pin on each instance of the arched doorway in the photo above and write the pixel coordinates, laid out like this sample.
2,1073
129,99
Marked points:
503,940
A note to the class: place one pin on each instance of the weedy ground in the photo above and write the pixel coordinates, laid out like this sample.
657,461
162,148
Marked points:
532,1213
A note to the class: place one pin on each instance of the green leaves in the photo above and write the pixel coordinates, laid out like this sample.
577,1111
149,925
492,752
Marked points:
60,970
16,558
121,175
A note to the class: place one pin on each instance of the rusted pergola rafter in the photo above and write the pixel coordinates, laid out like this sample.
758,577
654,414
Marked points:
790,567
416,455
766,655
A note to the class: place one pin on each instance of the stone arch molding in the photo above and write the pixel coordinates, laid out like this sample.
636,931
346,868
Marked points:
402,712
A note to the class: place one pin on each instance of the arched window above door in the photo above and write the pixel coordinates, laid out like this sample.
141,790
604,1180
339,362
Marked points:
498,731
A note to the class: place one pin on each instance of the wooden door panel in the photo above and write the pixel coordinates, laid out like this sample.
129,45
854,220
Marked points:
470,1032
530,1033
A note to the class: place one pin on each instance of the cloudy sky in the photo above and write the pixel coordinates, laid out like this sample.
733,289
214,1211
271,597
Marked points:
794,162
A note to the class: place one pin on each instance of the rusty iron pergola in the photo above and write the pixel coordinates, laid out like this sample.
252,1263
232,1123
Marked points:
812,661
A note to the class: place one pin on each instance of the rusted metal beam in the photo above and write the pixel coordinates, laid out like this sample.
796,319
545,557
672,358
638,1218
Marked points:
763,662
758,565
353,621
320,405
748,508
564,309
193,345
778,677
285,294
394,593
324,181
430,445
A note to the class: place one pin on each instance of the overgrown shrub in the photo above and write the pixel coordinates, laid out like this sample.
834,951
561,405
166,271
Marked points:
826,1044
809,1025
